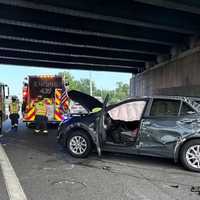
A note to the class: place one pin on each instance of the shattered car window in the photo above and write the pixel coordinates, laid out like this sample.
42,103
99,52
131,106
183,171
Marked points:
186,109
128,112
193,102
162,107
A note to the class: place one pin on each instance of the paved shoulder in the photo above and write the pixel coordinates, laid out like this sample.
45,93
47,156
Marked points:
13,186
3,191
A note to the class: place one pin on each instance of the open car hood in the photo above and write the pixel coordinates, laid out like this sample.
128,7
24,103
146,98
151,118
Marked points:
87,101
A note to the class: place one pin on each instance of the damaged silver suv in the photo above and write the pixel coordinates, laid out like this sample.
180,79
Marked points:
162,126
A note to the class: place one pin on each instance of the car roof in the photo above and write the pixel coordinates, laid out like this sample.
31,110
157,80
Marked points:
164,97
194,102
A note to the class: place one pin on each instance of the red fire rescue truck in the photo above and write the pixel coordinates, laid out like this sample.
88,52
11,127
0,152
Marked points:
51,88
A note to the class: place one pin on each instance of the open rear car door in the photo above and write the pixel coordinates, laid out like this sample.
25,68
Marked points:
100,130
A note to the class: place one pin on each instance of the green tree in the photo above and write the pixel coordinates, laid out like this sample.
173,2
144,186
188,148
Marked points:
83,85
69,78
122,90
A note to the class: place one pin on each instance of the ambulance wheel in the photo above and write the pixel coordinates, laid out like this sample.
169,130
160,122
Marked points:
79,144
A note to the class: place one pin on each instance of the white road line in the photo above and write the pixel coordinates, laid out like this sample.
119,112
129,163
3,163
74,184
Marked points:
13,185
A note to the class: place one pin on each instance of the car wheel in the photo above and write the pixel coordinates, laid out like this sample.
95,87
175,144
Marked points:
79,144
190,155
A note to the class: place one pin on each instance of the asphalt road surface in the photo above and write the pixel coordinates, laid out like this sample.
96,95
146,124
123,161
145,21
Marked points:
46,172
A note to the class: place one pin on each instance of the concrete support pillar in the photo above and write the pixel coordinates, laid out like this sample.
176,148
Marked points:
179,76
132,86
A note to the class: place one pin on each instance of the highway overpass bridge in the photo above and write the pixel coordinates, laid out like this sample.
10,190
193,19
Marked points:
136,36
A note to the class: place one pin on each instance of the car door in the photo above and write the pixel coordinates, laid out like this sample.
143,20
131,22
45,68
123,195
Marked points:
121,125
100,131
159,129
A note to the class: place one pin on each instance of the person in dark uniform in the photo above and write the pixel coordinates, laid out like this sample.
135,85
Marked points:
14,113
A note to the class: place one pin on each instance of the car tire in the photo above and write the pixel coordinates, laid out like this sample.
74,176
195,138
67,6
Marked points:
190,155
79,144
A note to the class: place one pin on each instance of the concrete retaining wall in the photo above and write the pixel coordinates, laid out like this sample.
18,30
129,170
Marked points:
179,76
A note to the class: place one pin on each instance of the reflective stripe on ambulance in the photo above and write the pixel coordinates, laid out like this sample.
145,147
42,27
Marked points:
30,114
58,113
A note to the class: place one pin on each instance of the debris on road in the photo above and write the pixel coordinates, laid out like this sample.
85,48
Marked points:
195,189
174,186
108,168
70,182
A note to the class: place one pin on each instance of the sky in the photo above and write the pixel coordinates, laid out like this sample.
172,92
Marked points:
14,76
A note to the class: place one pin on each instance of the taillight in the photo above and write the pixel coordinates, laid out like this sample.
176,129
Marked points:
25,94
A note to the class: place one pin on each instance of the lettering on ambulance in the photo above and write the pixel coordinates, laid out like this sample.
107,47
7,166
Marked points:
46,83
44,87
46,91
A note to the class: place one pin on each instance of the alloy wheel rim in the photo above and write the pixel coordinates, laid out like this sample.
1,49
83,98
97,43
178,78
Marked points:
78,145
193,156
